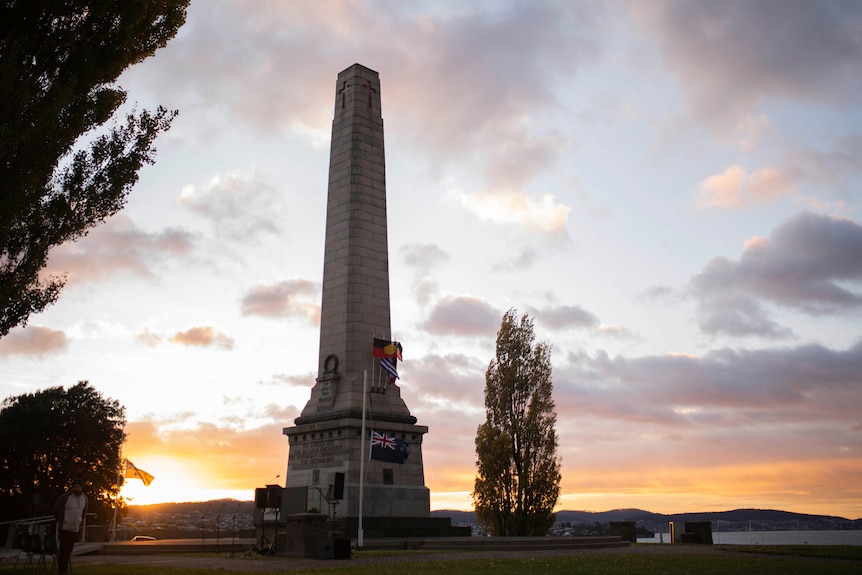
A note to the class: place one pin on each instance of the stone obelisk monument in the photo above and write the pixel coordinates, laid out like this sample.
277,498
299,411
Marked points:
326,442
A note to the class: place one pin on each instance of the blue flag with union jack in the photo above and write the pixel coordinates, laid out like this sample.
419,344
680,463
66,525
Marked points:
385,447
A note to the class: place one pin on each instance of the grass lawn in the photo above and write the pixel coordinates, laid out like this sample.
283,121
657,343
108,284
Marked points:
853,552
759,560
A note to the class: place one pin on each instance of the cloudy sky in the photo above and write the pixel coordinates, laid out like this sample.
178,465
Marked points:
669,188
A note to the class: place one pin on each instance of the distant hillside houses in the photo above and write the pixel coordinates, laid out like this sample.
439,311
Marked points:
231,518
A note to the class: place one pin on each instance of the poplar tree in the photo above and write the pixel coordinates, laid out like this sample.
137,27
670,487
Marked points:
518,480
59,175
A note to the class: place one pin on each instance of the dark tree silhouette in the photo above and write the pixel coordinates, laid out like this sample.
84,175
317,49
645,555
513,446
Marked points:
54,435
59,61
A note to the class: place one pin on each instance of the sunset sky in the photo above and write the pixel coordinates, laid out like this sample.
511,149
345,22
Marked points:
671,189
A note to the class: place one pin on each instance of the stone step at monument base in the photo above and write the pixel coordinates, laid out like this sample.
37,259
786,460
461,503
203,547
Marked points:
403,527
497,543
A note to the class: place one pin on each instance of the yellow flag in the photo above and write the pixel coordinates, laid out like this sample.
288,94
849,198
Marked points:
133,472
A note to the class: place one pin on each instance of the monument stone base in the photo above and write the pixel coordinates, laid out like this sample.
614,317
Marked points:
329,446
403,527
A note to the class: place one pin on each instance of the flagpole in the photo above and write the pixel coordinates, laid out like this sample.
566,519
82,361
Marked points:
117,498
374,362
360,539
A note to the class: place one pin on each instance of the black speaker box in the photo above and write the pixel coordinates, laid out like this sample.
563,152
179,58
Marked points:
260,495
274,496
338,487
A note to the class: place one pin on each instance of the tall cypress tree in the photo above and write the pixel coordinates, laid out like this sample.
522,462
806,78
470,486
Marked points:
518,479
59,61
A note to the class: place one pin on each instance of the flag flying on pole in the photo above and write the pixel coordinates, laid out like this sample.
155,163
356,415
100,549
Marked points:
388,448
388,364
133,472
385,348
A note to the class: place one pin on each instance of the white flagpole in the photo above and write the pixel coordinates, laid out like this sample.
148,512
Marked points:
117,498
116,504
374,362
360,538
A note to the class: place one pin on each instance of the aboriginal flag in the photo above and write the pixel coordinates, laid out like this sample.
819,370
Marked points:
384,348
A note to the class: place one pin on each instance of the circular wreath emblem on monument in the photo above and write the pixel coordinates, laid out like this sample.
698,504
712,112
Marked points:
330,364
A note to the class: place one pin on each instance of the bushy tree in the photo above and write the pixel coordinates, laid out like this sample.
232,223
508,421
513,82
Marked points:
518,479
52,436
59,60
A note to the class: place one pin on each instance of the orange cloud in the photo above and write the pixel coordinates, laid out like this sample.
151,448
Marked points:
820,486
544,215
736,187
206,460
149,339
204,336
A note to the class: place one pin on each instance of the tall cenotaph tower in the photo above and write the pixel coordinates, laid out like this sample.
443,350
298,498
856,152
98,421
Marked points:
326,442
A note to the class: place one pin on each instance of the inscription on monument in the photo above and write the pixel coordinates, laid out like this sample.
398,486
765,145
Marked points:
326,397
315,455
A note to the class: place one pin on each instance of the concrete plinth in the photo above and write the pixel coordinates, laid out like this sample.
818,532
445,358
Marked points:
310,536
625,530
697,532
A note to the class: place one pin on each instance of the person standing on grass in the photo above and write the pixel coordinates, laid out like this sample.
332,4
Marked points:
69,511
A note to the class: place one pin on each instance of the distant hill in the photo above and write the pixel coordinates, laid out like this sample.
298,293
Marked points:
196,519
197,507
736,520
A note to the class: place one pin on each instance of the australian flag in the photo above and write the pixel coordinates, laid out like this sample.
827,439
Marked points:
388,448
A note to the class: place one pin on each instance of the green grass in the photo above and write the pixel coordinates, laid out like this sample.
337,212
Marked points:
853,552
759,560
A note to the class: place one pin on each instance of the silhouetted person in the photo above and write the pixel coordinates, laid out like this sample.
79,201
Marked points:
69,511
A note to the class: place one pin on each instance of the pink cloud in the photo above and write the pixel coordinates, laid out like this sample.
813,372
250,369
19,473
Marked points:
652,425
736,187
811,263
462,97
440,380
836,168
286,299
33,340
564,317
116,246
723,389
732,56
464,316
